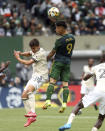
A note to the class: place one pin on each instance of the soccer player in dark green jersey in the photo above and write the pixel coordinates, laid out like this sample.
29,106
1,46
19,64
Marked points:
61,66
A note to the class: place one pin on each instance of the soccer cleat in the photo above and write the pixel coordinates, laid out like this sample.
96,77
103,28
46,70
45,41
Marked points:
47,104
29,121
30,114
65,127
62,109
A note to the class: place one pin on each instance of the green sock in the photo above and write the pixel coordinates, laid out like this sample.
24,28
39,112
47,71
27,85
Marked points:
65,94
50,91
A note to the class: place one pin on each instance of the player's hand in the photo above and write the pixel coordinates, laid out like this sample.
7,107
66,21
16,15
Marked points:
16,54
52,19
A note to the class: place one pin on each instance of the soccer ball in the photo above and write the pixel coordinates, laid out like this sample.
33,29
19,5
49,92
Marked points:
53,12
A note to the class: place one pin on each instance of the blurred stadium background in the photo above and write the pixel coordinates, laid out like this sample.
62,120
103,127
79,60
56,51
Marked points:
22,20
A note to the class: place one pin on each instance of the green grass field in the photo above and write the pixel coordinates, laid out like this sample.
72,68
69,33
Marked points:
48,120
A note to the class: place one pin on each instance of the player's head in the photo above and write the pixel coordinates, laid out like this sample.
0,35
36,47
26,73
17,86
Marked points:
102,58
90,62
34,45
61,27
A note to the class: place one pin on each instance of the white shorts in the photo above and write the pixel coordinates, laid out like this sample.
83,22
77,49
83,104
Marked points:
93,97
85,90
35,81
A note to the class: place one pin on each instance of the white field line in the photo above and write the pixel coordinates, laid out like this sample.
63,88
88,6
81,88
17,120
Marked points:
59,117
53,117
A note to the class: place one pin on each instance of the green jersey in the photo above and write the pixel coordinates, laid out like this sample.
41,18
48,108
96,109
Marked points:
64,47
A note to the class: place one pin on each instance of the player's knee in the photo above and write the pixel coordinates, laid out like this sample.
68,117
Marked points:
53,81
31,96
65,83
52,84
24,95
65,88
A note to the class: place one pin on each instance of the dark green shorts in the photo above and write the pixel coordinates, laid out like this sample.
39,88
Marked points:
60,70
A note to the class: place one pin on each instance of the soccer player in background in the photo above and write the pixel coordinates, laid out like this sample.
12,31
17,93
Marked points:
61,66
87,86
2,69
40,75
97,95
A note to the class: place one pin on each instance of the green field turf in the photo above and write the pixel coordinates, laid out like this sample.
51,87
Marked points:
48,120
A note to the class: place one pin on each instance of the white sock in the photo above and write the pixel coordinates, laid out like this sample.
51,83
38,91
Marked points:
71,118
26,105
94,129
31,101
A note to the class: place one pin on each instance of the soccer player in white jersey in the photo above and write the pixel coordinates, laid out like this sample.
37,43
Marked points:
39,76
97,95
87,86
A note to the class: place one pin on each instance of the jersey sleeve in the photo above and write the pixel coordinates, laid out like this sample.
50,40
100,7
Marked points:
57,43
84,69
93,70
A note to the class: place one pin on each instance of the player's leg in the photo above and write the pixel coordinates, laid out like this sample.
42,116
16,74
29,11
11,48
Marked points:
31,99
65,96
49,93
86,101
101,114
72,116
55,73
98,123
30,105
28,98
29,95
84,91
25,101
65,77
89,89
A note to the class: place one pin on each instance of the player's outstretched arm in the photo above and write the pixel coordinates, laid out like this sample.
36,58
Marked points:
6,65
87,77
24,53
51,54
26,62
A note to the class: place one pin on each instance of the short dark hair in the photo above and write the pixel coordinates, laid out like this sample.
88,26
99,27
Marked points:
61,23
34,42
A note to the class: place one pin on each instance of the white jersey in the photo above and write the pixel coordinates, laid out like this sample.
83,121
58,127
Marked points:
90,82
99,71
40,66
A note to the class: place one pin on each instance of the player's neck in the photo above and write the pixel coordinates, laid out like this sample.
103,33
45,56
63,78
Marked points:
90,66
64,33
38,49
